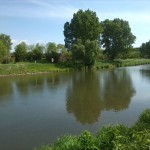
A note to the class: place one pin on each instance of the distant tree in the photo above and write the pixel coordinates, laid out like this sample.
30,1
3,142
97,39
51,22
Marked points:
21,52
145,49
52,52
3,51
61,48
6,41
5,47
116,37
84,26
38,51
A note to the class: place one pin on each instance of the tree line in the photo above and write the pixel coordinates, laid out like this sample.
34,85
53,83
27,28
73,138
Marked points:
86,40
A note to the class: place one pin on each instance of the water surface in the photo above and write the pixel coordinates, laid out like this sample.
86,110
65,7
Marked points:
35,110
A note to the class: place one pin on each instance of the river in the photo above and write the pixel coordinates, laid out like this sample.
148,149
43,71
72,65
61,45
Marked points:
36,109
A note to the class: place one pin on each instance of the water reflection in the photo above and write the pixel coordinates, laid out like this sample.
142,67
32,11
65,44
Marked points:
83,98
117,90
91,93
145,72
6,88
29,83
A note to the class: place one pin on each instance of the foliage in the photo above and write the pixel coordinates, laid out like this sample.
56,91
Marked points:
5,46
38,51
84,26
134,53
145,49
117,137
82,36
54,51
3,51
116,37
21,52
87,141
5,39
85,53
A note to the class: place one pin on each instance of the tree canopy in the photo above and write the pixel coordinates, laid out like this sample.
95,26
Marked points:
82,36
84,26
145,49
5,46
116,37
21,52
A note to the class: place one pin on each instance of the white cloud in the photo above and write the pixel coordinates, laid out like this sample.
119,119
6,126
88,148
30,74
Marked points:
16,41
38,9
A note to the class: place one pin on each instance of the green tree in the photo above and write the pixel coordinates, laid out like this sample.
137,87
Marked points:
116,37
6,41
5,47
85,53
3,51
21,52
84,26
52,51
145,49
82,36
38,51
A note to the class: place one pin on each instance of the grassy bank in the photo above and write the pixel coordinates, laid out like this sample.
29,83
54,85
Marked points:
121,63
117,137
29,68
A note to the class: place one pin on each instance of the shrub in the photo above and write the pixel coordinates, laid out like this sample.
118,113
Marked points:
66,143
87,141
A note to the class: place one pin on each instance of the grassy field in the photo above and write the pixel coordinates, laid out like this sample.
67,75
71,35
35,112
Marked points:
117,137
29,68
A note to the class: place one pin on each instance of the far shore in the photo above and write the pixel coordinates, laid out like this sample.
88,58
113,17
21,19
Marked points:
26,68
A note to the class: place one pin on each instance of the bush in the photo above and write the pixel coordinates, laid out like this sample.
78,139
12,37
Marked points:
117,137
66,143
110,137
145,116
87,141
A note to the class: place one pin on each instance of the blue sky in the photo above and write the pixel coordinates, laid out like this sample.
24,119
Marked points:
42,21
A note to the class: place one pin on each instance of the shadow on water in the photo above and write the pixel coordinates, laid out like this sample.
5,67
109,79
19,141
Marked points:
93,92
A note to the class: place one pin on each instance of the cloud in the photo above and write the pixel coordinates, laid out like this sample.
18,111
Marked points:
16,41
37,9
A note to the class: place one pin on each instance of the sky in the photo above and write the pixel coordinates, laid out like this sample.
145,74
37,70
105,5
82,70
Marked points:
42,21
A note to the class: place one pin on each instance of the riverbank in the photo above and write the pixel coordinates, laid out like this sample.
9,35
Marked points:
110,137
31,68
39,68
121,63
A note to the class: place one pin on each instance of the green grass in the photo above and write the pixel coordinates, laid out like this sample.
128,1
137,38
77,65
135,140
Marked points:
26,68
117,137
121,63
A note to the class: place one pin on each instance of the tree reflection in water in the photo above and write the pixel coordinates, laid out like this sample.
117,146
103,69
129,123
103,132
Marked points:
145,72
92,92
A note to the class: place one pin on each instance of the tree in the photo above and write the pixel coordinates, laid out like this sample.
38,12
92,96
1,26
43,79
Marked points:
3,51
5,46
6,41
116,37
84,26
52,52
85,53
83,31
21,52
38,51
145,49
